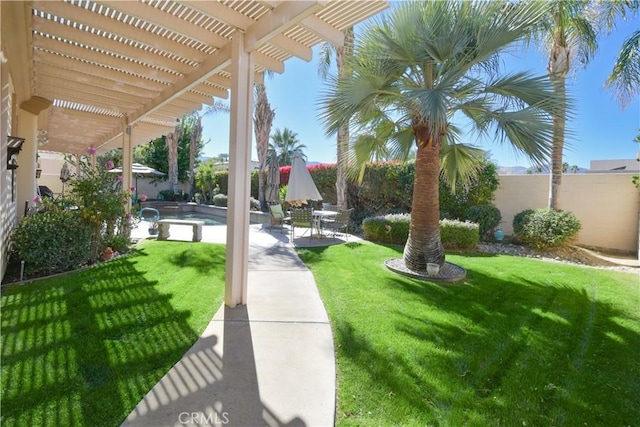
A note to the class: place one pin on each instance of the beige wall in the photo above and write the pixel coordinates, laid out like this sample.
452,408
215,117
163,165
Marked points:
607,205
8,213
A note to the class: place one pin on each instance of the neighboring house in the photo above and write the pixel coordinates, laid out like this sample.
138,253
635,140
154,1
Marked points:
615,165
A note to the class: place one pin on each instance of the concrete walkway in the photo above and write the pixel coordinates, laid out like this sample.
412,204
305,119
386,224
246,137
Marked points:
269,363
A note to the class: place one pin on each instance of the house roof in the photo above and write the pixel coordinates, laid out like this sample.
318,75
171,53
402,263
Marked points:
146,63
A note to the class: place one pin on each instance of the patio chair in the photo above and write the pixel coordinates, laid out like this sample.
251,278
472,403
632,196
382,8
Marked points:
278,217
337,223
301,217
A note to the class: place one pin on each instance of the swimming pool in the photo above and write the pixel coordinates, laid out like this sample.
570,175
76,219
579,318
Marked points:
208,219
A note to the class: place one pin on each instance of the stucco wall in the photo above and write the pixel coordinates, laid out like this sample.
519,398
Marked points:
7,207
607,205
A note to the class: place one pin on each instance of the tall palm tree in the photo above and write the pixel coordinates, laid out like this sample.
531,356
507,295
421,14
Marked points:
624,79
285,143
262,120
172,156
195,144
569,31
342,55
427,62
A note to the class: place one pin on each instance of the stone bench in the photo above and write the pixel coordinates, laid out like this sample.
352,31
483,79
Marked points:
163,228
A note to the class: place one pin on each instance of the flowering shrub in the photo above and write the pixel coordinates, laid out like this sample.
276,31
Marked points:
394,228
65,233
100,205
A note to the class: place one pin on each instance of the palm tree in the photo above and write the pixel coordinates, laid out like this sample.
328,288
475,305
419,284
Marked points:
569,32
262,120
426,62
624,79
342,54
172,156
195,144
285,143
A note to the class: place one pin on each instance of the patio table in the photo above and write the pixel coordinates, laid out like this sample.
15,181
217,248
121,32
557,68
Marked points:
317,219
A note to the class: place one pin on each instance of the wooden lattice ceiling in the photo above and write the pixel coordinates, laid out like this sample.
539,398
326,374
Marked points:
150,61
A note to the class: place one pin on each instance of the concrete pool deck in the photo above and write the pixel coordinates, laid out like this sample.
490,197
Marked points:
269,363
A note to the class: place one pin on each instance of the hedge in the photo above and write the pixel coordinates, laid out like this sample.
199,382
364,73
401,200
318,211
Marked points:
394,228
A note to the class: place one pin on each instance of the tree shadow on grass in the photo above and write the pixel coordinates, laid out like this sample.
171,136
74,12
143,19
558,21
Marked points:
553,350
83,349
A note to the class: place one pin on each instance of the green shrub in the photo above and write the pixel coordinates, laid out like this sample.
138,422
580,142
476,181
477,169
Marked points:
53,241
487,216
100,203
394,229
545,228
220,200
166,195
478,191
117,242
459,235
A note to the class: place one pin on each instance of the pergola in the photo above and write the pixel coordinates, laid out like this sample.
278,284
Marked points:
109,74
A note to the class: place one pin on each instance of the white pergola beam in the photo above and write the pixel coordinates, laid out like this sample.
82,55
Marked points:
231,17
15,20
280,19
107,61
121,29
166,20
211,66
324,30
86,72
87,38
53,75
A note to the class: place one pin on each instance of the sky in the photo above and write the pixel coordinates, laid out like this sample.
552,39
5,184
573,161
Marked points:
600,128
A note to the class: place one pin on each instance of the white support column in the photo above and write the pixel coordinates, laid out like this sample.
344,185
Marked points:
26,172
127,162
237,261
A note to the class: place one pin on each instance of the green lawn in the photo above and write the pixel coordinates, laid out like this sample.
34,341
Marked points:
84,348
521,342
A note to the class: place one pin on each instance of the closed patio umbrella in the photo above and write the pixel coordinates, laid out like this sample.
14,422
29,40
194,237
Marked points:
272,193
301,186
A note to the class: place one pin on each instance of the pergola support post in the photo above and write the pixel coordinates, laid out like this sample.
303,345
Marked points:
127,163
237,259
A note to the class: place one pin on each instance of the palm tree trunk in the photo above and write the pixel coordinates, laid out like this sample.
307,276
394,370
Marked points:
424,244
172,146
559,123
193,148
342,55
262,121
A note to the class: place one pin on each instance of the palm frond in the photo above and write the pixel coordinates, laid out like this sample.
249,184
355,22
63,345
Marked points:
325,55
459,162
528,131
608,10
624,80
